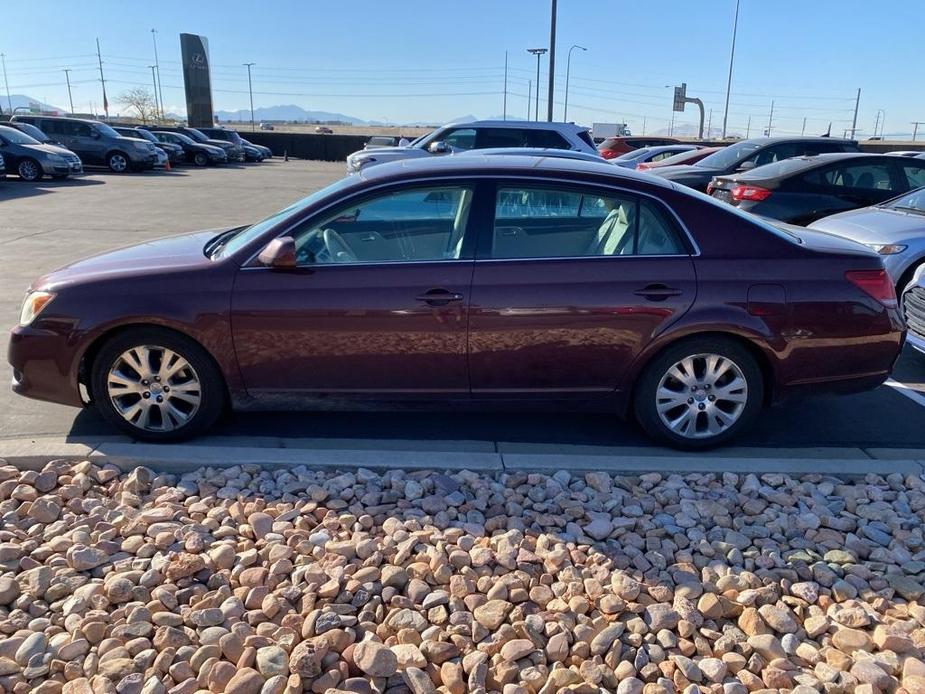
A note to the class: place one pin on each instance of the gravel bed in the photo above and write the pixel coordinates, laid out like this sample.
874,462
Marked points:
254,581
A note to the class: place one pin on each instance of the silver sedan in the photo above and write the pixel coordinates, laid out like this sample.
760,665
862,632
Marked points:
895,229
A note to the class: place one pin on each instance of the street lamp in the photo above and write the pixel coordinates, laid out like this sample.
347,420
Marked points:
879,121
568,67
250,91
732,55
537,52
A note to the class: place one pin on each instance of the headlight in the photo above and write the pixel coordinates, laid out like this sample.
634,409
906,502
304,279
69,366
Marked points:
33,305
886,248
56,158
359,162
143,146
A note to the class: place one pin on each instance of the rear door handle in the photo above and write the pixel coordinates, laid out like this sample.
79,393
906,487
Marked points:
657,292
439,297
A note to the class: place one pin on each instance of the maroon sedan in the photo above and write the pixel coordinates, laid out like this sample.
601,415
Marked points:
467,279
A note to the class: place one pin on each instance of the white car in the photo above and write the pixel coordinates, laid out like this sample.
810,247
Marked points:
482,134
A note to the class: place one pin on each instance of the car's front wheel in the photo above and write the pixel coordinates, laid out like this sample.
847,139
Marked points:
157,385
29,170
699,393
200,159
118,162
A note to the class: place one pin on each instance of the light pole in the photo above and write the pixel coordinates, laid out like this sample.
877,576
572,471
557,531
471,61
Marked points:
732,55
552,63
537,52
6,83
568,69
879,122
915,128
158,92
67,77
154,82
250,91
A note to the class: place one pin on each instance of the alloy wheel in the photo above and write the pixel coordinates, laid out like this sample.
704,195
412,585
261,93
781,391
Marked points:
154,388
118,163
701,396
28,170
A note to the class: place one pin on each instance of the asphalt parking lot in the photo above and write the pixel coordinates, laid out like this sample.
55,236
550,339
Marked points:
45,225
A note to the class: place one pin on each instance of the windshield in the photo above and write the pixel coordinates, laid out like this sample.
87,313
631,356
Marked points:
730,155
910,202
235,242
179,136
144,135
418,140
635,154
106,130
30,129
13,136
195,134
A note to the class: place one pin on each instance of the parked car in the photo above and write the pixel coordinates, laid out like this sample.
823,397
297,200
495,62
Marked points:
31,160
894,229
266,126
95,142
613,147
233,151
33,132
323,130
804,189
251,153
914,310
2,168
485,134
749,154
221,136
474,278
631,160
377,141
194,152
265,151
174,152
691,156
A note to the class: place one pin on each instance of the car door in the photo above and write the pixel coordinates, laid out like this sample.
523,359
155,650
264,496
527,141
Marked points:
570,284
377,307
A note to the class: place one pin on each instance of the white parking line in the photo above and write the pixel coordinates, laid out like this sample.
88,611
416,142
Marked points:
908,391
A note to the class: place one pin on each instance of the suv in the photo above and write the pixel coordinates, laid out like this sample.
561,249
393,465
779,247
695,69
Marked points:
234,152
482,134
613,147
230,136
173,152
749,154
95,142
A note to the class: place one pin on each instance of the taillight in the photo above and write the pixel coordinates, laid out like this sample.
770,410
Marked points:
607,153
875,283
741,192
710,188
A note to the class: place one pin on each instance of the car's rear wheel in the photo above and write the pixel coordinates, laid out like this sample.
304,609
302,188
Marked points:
699,393
118,162
29,170
157,385
200,159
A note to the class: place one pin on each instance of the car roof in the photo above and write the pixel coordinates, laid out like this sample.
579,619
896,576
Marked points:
795,138
533,152
504,164
521,124
788,167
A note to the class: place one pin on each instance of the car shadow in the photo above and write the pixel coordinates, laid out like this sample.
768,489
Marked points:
13,188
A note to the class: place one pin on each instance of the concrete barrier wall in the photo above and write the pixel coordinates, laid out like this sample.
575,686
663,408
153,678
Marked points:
307,145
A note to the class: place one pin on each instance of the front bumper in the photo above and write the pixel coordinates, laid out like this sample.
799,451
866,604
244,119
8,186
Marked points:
62,168
42,363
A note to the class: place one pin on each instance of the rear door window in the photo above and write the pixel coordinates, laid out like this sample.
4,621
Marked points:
914,174
500,137
546,139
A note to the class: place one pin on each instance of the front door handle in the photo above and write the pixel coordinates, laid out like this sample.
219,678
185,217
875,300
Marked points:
439,297
657,292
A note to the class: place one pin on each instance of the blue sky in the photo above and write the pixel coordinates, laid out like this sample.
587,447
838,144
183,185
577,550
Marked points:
405,61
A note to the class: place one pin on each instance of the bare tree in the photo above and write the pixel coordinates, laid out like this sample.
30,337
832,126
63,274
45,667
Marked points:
141,101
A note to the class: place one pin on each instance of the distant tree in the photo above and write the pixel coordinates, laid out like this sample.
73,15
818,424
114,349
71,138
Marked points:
141,101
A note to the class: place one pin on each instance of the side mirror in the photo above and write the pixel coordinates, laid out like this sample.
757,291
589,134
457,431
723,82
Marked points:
438,147
746,166
279,254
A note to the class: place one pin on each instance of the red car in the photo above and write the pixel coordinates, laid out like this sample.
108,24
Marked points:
613,147
688,158
482,279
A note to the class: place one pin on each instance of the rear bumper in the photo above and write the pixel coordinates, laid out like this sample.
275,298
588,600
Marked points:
42,363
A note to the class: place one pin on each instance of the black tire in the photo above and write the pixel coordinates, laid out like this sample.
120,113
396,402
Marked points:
29,170
211,384
118,162
200,159
645,398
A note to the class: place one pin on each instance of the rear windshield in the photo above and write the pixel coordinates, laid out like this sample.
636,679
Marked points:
730,155
195,134
785,167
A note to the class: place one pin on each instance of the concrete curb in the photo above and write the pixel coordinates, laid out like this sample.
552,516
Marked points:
456,455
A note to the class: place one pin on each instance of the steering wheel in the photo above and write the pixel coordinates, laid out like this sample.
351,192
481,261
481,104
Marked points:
337,248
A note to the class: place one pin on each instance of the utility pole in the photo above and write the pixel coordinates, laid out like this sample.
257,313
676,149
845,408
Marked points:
504,102
710,124
6,83
67,77
537,52
158,92
915,128
529,96
877,122
770,118
803,131
102,80
251,92
552,63
732,55
568,69
154,81
748,128
671,127
854,122
643,125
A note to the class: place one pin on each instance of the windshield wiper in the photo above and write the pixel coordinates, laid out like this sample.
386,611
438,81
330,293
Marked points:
906,208
215,245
